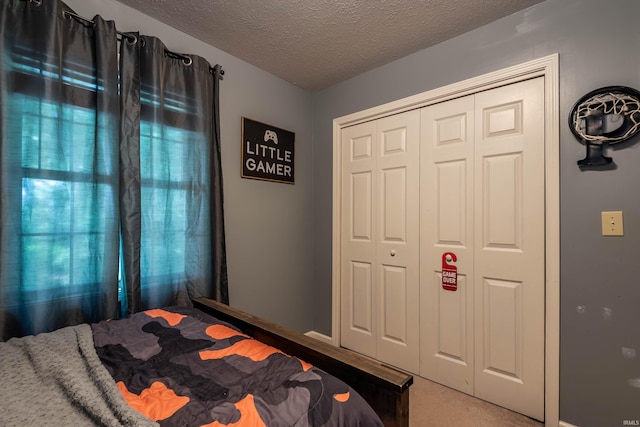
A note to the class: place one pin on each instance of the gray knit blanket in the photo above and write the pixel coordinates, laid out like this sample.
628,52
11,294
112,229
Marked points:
57,379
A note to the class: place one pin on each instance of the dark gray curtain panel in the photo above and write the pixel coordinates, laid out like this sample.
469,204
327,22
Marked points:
105,168
59,124
172,219
220,284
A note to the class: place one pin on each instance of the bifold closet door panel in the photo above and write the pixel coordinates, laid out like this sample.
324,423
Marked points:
358,326
509,268
398,243
380,239
446,225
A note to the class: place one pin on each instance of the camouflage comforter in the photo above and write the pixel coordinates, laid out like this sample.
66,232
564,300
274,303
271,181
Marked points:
182,367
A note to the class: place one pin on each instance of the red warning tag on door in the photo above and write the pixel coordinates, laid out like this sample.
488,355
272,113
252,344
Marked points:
449,272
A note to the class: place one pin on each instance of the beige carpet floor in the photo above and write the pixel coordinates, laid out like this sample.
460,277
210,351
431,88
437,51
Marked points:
433,405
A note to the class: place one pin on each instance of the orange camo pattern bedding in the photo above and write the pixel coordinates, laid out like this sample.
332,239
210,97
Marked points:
181,367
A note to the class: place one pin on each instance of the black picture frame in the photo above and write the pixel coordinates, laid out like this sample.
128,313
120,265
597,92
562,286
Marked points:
268,152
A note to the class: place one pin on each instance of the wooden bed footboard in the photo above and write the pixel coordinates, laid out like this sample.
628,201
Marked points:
386,389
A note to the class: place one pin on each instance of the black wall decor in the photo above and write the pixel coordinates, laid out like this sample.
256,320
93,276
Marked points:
267,152
609,115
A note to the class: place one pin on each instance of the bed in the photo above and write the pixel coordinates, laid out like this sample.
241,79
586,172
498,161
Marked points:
207,365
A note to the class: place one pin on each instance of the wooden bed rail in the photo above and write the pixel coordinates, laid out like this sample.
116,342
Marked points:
386,389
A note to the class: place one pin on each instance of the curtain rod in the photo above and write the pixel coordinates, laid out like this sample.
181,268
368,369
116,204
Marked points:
186,59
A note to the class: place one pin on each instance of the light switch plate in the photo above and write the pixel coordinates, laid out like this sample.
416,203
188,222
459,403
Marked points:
612,224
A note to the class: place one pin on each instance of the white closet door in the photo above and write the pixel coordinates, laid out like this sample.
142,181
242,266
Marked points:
446,319
482,191
358,329
398,243
509,270
380,239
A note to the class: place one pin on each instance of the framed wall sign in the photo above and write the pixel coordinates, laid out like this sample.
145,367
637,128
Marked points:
267,152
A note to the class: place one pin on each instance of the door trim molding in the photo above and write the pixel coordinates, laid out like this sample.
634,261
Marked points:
547,67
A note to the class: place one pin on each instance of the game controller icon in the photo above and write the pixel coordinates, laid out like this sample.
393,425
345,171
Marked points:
270,135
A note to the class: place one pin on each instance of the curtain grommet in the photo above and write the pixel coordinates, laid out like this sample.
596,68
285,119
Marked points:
187,60
131,39
36,3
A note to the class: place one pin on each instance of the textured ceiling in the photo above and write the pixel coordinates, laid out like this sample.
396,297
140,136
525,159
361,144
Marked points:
317,43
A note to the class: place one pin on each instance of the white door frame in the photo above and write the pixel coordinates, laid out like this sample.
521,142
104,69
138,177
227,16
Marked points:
548,68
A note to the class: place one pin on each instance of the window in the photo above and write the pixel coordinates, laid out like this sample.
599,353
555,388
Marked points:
167,188
68,195
175,194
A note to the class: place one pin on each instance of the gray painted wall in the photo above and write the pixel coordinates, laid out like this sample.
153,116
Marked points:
598,44
268,225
